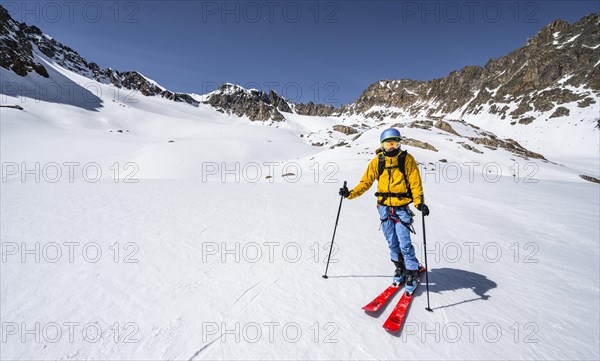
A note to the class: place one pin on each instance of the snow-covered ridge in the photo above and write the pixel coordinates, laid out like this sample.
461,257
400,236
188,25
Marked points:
23,43
189,233
385,102
523,94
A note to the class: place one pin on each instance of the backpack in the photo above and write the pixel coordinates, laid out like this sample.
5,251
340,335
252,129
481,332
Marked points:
402,167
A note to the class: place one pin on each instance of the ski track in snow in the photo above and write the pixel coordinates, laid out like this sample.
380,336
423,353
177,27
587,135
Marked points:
246,305
246,291
197,353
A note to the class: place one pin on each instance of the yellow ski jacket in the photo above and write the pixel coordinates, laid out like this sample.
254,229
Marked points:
391,181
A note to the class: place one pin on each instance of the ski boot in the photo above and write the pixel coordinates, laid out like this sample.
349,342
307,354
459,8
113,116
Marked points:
411,280
399,273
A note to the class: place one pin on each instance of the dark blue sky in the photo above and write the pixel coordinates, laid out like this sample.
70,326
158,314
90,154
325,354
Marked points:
320,51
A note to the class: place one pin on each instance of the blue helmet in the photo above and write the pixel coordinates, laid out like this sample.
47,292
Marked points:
388,134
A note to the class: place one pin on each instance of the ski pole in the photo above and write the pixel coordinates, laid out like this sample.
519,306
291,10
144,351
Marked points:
334,229
426,266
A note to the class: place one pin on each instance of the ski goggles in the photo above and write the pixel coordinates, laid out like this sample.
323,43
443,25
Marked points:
390,143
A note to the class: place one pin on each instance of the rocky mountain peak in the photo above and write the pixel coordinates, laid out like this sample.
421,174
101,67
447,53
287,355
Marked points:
16,52
558,66
555,26
255,104
19,42
312,109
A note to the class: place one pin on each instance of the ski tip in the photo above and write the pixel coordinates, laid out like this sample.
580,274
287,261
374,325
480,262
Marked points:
372,307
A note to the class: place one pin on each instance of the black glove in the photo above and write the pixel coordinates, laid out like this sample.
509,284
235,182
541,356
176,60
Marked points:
344,192
424,209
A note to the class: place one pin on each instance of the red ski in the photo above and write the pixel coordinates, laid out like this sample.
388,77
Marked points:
396,320
382,299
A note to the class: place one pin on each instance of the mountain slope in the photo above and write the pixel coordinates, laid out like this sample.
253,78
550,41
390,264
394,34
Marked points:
546,94
543,73
200,258
19,42
135,227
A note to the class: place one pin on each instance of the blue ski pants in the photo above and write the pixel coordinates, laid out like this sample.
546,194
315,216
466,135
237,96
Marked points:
398,234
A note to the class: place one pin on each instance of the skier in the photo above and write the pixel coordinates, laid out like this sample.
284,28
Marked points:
399,183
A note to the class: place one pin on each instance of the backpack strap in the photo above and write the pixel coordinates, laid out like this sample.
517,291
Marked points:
402,167
380,164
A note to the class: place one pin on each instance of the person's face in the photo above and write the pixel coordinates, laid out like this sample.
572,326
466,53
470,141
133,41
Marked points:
391,144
